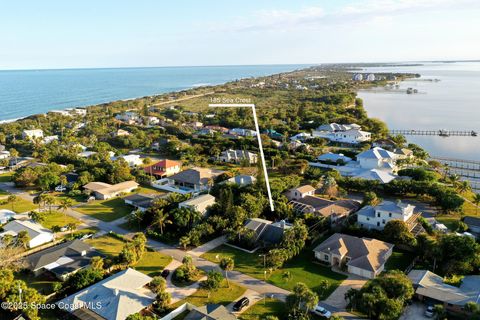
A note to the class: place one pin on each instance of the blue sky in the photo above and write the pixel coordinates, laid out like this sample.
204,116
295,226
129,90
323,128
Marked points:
125,33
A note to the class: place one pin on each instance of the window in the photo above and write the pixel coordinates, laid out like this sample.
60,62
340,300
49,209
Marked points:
378,224
378,214
383,221
390,214
326,257
368,219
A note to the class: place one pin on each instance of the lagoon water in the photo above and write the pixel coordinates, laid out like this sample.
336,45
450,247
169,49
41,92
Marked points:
453,103
27,92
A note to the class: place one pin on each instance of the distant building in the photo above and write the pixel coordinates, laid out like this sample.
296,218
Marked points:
343,133
133,160
49,139
32,134
242,180
38,234
267,232
300,192
121,133
238,156
199,204
384,143
376,217
243,132
334,158
128,117
4,154
189,181
140,202
377,158
357,77
361,256
370,77
150,121
164,168
104,191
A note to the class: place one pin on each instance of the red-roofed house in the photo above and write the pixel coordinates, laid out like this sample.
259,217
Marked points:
164,168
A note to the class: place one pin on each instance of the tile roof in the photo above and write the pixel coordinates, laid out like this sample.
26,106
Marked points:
210,312
364,253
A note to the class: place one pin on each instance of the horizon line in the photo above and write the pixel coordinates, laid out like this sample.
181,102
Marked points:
241,65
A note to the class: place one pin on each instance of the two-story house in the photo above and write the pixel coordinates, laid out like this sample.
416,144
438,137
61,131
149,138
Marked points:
376,217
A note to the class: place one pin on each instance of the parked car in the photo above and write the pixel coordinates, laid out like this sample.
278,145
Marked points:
165,273
429,312
60,188
240,304
322,312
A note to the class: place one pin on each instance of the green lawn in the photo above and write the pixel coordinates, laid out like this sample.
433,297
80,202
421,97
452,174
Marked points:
224,295
152,262
42,283
106,210
448,220
301,268
3,193
399,260
264,308
19,205
6,177
56,218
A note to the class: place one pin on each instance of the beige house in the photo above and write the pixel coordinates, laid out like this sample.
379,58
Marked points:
364,257
199,204
300,192
104,191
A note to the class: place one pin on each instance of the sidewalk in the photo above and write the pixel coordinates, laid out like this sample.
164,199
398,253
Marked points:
198,251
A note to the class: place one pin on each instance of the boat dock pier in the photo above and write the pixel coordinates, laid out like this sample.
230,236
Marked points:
468,170
441,133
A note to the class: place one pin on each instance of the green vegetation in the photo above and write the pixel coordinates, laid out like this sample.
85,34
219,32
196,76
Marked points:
18,205
55,218
298,269
224,295
399,260
106,210
6,177
108,245
43,283
264,308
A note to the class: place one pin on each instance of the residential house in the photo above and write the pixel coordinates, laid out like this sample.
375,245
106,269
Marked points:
267,232
376,217
128,117
273,134
242,180
104,191
62,260
192,180
343,133
133,160
210,312
377,158
38,234
302,136
121,133
403,153
334,158
473,224
49,139
364,257
217,128
139,201
335,211
151,121
295,144
114,298
431,289
72,178
384,143
238,156
300,192
32,134
206,132
6,215
195,125
243,132
199,204
4,154
164,168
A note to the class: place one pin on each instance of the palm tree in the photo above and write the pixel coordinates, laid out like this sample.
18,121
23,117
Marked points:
23,239
227,264
135,217
476,201
49,200
38,200
184,242
11,199
464,186
36,216
160,220
64,205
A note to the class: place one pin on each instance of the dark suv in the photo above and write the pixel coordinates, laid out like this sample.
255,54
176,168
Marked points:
240,304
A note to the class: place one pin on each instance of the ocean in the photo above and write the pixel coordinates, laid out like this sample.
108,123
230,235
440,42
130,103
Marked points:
28,92
453,103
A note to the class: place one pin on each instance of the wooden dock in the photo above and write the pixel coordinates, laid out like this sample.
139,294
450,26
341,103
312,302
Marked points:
468,170
441,133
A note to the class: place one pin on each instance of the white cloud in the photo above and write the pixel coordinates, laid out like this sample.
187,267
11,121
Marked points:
315,17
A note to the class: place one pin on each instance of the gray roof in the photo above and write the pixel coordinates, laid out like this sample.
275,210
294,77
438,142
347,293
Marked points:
430,285
196,175
367,211
120,295
71,249
391,206
210,312
266,230
141,200
376,153
33,229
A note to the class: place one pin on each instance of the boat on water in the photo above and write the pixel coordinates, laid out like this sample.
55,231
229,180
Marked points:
443,133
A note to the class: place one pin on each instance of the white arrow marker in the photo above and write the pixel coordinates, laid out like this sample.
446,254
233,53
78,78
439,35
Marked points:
233,105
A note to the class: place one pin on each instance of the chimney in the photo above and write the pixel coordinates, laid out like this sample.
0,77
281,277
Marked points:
116,292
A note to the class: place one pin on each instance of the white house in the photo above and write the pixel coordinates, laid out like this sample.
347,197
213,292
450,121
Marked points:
302,136
104,191
376,217
238,156
243,132
133,160
200,203
334,158
300,192
49,139
344,133
364,257
128,117
242,180
152,121
377,158
32,134
4,154
38,234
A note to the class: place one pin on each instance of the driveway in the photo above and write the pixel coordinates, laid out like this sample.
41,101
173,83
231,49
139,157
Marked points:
253,296
336,301
414,311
